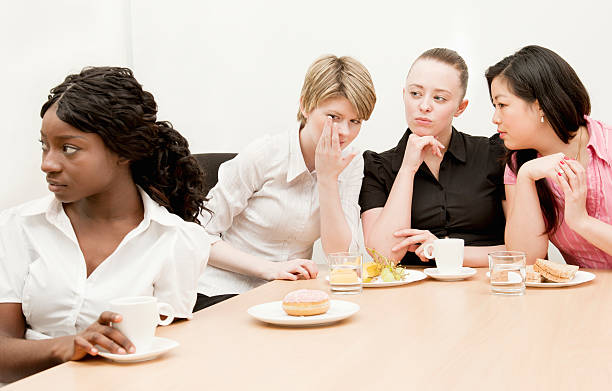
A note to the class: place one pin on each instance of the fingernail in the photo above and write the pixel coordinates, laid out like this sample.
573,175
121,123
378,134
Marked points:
93,351
132,349
121,351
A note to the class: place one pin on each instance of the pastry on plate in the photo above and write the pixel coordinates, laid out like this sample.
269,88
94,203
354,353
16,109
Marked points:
306,302
555,272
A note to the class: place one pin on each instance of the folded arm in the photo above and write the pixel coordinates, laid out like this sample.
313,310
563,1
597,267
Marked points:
224,256
380,224
525,227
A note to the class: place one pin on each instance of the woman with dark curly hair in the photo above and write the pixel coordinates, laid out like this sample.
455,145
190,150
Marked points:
122,221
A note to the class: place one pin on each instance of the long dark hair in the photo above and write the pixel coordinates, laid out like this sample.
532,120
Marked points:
110,102
536,73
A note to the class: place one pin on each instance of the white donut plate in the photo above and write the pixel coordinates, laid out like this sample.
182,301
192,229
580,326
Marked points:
273,313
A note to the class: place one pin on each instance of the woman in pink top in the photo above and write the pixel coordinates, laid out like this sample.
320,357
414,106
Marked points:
559,168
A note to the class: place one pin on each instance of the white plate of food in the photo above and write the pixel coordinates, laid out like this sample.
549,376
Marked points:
274,313
543,273
410,276
377,282
579,278
158,347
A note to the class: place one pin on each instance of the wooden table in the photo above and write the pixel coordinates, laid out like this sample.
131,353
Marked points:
425,335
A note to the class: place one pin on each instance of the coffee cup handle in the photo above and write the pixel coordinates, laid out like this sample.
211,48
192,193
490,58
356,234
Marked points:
167,310
426,251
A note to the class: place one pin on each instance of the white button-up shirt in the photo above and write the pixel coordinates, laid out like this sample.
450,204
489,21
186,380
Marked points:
266,203
42,266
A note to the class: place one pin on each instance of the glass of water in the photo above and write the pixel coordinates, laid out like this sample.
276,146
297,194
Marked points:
507,270
345,272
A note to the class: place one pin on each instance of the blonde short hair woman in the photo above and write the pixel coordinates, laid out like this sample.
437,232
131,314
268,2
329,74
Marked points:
284,191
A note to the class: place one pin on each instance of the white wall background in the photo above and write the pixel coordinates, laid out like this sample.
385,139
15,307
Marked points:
227,72
41,42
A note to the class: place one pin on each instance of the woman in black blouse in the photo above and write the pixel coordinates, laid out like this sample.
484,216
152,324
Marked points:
437,182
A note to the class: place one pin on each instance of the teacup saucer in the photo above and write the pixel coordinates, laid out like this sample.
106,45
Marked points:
158,347
464,273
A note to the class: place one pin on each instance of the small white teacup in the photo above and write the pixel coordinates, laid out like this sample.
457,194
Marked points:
448,254
140,317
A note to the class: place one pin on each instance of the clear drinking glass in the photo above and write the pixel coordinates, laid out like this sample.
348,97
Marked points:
507,270
345,272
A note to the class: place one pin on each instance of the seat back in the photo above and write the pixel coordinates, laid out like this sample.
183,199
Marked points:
209,163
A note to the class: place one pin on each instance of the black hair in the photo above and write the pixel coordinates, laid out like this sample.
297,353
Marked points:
535,73
110,102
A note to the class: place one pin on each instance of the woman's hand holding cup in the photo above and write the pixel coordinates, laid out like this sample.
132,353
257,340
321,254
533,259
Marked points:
101,333
140,318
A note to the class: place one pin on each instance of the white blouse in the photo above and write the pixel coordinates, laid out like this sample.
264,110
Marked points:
266,203
42,266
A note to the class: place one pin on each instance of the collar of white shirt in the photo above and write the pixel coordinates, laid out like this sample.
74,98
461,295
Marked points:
53,210
297,165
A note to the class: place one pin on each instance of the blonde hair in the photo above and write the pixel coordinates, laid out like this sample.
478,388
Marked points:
330,76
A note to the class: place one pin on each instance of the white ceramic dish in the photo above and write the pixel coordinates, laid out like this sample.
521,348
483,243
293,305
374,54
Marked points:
411,276
579,278
158,347
461,275
273,313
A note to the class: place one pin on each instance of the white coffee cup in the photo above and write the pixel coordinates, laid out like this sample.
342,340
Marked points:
448,254
140,317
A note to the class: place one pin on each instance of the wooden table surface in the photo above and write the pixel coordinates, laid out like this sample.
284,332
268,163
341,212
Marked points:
425,335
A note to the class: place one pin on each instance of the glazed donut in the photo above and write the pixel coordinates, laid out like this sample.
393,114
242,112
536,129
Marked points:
306,302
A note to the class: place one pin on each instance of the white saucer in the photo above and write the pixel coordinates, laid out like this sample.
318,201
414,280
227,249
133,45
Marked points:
273,313
159,346
461,275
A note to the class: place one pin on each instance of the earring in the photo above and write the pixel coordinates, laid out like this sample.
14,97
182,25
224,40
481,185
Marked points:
542,119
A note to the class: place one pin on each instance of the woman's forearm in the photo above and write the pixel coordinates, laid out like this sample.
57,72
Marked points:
475,256
596,232
395,215
525,228
224,256
20,358
336,234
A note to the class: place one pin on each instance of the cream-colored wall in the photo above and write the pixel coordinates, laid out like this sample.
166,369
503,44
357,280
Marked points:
227,72
41,43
